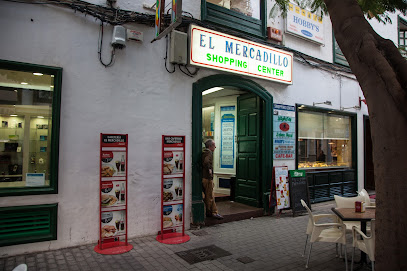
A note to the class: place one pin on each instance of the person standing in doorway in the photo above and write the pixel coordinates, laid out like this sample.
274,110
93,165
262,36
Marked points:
207,179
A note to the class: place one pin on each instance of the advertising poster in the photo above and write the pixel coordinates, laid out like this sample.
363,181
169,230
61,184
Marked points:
304,24
113,194
173,162
227,143
113,164
113,224
284,132
172,216
173,189
282,187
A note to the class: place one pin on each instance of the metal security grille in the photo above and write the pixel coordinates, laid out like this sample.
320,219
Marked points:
27,224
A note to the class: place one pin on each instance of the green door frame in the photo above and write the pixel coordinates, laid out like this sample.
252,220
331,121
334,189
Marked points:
267,140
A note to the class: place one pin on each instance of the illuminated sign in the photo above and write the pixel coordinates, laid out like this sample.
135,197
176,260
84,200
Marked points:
303,23
224,52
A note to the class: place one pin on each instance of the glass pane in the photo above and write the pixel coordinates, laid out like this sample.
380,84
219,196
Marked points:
25,133
247,7
208,122
330,148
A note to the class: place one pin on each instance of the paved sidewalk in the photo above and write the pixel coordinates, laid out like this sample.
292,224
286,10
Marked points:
270,243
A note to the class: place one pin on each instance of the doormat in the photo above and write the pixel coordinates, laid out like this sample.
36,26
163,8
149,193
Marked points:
200,233
197,255
245,260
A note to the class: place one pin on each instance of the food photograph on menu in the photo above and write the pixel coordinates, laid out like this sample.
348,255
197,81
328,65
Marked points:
172,189
172,216
113,164
113,224
113,194
173,162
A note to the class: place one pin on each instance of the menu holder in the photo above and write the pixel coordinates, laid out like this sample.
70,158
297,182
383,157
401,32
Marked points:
113,195
172,191
298,191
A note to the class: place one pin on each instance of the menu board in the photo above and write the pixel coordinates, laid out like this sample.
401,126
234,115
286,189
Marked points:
282,188
299,191
284,132
173,184
113,190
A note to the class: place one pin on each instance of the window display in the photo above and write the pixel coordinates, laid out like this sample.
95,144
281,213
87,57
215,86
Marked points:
324,140
26,123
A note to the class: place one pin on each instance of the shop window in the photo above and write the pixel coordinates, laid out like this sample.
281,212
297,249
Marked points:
248,16
324,140
29,132
403,37
339,57
208,123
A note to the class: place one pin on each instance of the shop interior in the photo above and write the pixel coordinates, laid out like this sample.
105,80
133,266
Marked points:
219,123
25,131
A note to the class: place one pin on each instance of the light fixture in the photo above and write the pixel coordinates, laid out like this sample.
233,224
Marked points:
326,102
357,107
40,117
211,90
16,90
38,73
24,83
13,115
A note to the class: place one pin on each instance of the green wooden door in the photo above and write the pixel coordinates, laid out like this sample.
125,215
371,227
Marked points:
248,166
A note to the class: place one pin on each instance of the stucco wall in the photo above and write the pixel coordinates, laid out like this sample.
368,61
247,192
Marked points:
136,96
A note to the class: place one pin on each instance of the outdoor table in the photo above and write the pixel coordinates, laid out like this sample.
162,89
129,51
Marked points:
349,214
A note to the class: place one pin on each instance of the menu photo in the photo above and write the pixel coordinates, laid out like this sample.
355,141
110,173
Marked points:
173,162
113,193
173,189
113,164
172,216
113,224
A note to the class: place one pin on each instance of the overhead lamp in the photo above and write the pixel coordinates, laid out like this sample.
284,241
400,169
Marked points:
38,73
211,90
326,102
40,117
13,115
357,107
24,83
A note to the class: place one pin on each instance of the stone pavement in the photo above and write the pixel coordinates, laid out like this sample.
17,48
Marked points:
270,243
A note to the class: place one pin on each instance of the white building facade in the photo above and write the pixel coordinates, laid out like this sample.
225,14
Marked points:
139,97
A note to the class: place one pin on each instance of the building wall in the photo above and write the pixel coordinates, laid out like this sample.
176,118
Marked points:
136,96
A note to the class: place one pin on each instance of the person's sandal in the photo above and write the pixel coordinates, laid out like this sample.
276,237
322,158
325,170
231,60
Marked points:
217,216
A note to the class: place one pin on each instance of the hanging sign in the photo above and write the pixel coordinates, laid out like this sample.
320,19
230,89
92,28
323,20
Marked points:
172,191
282,188
304,24
284,132
216,50
113,194
227,144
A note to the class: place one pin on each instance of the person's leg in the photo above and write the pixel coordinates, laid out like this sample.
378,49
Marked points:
208,195
213,208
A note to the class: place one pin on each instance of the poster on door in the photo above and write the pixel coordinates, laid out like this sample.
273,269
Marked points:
284,132
282,187
227,143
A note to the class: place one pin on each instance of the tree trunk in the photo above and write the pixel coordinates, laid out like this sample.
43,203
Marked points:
382,75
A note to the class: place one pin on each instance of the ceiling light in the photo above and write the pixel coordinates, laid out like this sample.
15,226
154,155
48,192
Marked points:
13,115
40,117
211,90
16,90
24,83
38,73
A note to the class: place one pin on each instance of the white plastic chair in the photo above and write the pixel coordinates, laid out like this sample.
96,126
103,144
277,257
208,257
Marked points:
324,232
342,202
369,203
366,244
21,267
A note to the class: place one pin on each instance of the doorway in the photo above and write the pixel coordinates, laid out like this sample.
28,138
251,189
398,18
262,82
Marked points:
237,114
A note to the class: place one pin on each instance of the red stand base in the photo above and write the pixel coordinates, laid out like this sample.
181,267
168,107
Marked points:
113,248
173,238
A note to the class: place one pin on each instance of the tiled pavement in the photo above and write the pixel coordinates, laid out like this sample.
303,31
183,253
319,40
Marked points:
273,243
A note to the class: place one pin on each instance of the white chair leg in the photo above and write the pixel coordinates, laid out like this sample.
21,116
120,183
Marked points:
372,265
346,259
309,255
306,240
353,254
336,250
340,251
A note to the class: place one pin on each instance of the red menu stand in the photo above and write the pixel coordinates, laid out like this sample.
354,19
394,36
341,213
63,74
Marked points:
113,195
172,191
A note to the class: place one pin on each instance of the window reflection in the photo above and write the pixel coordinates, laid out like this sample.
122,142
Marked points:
247,7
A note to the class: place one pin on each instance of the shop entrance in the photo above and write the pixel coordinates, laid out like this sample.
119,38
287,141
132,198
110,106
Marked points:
237,114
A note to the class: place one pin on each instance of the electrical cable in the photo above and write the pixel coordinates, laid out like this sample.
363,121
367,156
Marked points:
179,66
100,45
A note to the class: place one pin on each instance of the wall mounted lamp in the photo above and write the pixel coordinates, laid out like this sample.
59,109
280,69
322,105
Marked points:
326,102
357,107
